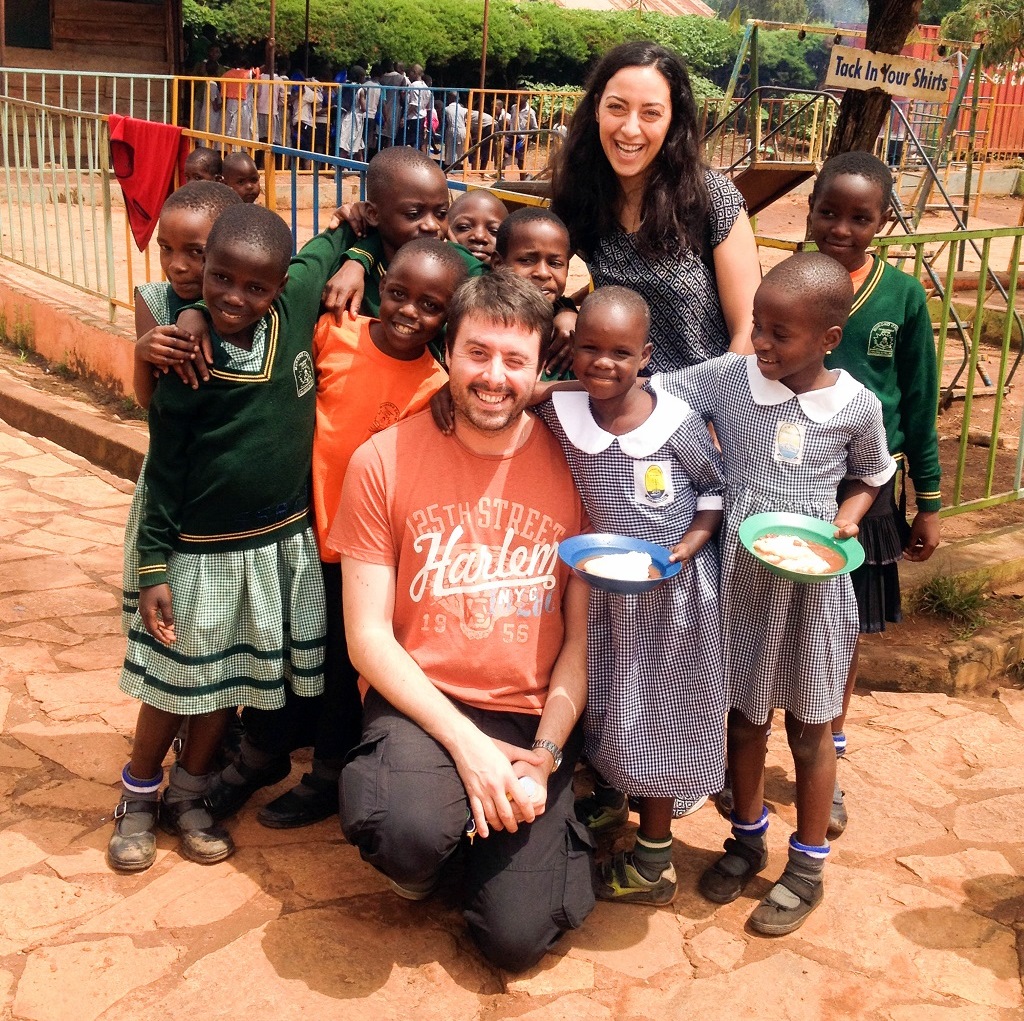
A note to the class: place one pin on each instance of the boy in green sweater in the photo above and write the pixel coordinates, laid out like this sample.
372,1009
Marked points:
888,345
406,198
407,201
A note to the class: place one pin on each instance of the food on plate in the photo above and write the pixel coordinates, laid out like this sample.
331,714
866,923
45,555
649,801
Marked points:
632,566
804,556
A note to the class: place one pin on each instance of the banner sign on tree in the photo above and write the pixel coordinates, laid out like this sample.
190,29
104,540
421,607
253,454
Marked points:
853,68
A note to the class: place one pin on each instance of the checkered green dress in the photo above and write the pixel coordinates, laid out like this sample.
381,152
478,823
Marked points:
164,305
247,622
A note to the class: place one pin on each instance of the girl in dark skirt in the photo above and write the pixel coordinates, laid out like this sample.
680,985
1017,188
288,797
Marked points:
888,346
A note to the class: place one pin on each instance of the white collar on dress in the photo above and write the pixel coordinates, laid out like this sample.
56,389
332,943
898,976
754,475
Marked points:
818,405
573,410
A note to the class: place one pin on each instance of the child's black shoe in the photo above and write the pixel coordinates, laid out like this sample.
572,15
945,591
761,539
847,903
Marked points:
787,905
132,845
201,839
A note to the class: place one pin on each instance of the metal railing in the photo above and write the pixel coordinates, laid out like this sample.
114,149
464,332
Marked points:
994,336
62,213
311,115
56,200
150,97
771,124
482,132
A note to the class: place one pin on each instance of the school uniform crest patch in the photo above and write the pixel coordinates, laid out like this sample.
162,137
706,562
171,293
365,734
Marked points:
789,443
305,377
652,483
882,339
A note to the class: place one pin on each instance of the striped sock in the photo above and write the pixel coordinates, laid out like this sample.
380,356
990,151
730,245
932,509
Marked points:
807,860
651,857
140,790
839,743
751,831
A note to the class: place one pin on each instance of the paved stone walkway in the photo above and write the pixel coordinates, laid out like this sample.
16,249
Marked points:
923,918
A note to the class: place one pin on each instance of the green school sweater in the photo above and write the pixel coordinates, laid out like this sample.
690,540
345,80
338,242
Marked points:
229,463
888,345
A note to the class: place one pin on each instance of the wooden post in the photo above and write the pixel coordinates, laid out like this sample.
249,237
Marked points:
271,42
483,50
305,67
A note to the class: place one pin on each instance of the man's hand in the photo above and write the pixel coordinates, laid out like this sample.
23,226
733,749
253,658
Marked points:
496,798
536,783
157,611
534,764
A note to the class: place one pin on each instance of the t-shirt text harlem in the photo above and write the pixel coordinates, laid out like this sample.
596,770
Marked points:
524,548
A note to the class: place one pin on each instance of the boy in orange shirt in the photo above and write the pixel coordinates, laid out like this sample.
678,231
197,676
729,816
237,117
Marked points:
370,374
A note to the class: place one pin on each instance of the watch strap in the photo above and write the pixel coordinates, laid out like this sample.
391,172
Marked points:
550,746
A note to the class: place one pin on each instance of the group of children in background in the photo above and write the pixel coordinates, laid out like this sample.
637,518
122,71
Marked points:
237,170
827,416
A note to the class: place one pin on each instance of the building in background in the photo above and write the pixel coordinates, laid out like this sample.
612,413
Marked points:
128,36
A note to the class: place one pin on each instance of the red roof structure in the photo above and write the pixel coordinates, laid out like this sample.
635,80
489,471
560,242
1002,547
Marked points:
671,7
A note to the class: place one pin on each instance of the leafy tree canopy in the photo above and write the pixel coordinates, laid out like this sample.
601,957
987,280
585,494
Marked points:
535,41
933,11
1000,23
537,38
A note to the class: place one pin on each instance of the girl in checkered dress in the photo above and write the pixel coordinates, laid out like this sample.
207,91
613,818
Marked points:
231,605
185,222
646,467
791,431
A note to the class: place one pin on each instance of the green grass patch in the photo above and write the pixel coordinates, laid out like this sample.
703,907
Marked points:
959,601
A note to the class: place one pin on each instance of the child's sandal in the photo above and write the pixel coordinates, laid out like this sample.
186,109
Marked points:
202,840
787,905
724,881
598,817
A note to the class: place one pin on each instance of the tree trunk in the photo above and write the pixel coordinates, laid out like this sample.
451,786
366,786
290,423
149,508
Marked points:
862,114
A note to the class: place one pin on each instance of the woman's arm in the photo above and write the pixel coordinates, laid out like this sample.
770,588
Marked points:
738,274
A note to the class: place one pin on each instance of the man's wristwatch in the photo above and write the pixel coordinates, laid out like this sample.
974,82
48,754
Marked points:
550,746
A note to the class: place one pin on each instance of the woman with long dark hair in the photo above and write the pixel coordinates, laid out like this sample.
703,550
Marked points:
645,211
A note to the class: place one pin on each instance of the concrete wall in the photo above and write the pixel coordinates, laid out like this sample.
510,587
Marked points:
69,330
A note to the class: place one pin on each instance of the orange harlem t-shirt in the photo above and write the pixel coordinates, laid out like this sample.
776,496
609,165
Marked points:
359,391
475,542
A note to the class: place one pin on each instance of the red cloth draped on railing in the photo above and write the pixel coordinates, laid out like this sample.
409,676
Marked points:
144,155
